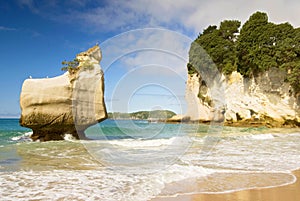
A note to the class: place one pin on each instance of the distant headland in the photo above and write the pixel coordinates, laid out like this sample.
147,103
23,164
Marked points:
154,115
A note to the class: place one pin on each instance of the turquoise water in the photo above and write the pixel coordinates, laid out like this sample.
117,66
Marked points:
136,160
10,128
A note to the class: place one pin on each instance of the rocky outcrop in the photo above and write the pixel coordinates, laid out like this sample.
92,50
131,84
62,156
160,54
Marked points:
178,118
265,99
67,104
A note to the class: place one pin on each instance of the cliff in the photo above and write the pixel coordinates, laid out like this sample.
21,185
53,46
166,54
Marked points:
266,99
67,104
245,74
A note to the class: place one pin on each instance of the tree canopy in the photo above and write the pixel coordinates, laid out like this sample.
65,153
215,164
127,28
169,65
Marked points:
252,49
219,43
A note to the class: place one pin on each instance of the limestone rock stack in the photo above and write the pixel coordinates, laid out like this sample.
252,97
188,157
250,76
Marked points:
66,104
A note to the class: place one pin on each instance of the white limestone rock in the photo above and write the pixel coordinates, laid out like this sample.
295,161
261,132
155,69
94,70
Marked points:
264,100
66,104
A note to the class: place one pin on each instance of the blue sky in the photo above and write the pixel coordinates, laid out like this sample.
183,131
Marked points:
148,64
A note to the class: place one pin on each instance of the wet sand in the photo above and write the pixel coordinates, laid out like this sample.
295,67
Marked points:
289,192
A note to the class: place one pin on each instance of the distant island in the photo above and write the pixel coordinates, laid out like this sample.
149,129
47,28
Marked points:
143,115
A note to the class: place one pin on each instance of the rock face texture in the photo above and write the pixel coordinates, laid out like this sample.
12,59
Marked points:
262,100
67,104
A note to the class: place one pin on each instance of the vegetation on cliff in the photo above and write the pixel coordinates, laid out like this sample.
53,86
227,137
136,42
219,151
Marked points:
155,114
73,66
252,49
70,65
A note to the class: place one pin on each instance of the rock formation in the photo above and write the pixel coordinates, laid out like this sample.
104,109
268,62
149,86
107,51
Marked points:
265,99
66,104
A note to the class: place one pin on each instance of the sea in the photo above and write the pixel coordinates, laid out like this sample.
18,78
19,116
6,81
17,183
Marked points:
136,160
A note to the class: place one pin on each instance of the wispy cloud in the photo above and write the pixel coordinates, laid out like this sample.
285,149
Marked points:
188,17
148,47
33,33
28,4
3,28
127,15
30,32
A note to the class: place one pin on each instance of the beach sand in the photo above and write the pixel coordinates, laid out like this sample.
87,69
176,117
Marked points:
289,192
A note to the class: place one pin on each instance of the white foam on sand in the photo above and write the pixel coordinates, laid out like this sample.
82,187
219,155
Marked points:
262,136
107,185
102,185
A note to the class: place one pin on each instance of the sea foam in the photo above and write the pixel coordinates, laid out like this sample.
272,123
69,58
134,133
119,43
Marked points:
103,184
138,143
24,137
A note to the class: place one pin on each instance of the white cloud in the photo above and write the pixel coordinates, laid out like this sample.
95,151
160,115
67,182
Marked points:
147,47
169,63
215,11
188,17
126,15
29,4
185,16
3,28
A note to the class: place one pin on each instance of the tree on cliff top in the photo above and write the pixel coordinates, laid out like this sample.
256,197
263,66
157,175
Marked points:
220,44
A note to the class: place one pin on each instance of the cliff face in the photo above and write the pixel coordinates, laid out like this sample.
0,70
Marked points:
67,104
263,100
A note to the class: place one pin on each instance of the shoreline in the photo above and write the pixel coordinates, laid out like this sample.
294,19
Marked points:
238,124
276,193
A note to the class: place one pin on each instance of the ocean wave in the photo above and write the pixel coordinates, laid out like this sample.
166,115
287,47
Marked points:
24,137
105,185
69,137
109,185
296,134
269,136
141,143
262,136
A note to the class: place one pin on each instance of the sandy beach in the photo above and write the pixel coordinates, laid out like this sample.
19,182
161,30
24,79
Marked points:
289,192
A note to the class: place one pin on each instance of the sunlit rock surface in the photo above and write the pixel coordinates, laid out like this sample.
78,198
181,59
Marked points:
66,104
262,100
